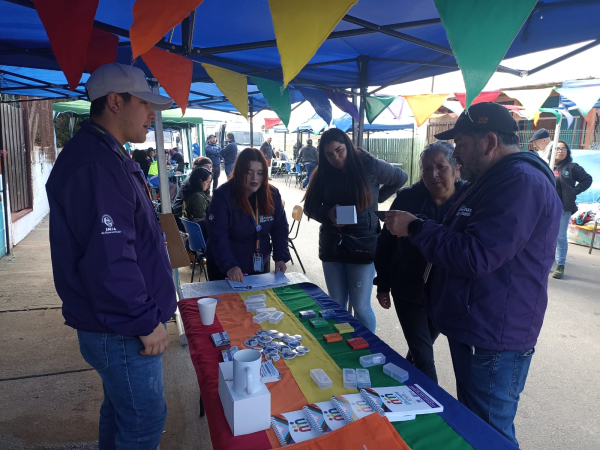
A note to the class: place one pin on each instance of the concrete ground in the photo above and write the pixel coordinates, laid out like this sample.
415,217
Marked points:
50,398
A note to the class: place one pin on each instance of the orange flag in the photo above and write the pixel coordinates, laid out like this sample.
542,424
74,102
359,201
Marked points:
152,19
424,105
173,72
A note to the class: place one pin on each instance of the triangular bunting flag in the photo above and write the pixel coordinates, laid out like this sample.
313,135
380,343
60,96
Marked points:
454,106
424,105
480,45
277,98
376,105
319,102
547,110
584,97
102,49
341,101
297,43
234,85
489,96
568,116
173,72
152,19
531,99
68,24
397,107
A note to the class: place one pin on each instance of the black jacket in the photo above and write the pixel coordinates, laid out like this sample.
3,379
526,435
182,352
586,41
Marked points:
571,181
399,264
309,154
384,179
178,158
229,153
267,150
177,208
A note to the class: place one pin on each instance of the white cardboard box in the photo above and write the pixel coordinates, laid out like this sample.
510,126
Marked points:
245,414
346,215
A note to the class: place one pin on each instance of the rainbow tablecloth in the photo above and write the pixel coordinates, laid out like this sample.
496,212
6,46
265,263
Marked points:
454,429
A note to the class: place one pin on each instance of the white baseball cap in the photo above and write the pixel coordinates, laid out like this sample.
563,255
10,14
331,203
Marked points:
120,78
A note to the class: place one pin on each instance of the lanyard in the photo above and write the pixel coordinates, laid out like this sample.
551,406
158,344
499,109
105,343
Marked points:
124,154
256,219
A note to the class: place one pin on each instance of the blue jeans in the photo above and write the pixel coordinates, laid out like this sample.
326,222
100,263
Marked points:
489,383
353,282
229,169
562,245
310,168
134,412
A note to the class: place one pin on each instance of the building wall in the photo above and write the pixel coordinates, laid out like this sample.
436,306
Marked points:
40,171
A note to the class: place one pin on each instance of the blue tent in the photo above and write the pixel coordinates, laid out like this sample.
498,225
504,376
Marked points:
384,41
344,123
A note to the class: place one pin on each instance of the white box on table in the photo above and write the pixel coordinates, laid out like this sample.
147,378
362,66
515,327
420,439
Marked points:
245,414
346,215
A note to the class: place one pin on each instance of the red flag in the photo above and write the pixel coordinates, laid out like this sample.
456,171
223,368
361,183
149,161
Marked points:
173,72
102,49
152,19
489,96
68,24
270,123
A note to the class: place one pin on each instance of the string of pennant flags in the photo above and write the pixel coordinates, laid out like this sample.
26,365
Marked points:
478,50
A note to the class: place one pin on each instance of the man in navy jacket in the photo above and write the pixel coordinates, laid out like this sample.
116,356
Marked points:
109,259
229,154
490,260
213,151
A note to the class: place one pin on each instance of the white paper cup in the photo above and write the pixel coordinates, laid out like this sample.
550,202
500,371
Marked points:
207,307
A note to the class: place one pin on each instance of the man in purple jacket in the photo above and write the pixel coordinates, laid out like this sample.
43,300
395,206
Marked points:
110,264
489,261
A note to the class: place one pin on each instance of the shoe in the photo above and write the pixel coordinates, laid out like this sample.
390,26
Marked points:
558,272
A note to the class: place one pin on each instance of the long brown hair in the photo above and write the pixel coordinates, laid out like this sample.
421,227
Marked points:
357,181
264,197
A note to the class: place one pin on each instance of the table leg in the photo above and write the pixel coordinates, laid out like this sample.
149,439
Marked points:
593,235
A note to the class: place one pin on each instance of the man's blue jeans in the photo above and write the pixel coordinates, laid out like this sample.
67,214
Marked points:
562,245
310,168
133,413
229,169
489,383
353,282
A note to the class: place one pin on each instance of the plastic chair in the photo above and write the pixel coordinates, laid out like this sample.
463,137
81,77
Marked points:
197,245
297,216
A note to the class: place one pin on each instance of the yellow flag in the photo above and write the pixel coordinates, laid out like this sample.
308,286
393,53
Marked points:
234,85
296,42
424,105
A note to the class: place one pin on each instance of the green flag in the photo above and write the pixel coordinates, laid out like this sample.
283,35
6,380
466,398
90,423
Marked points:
376,105
480,33
277,97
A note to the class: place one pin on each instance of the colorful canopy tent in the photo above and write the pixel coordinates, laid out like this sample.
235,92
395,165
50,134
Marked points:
344,123
378,43
313,125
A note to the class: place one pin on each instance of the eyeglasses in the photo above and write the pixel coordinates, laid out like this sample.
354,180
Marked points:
561,149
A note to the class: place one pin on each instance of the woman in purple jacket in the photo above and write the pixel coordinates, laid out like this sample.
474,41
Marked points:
246,223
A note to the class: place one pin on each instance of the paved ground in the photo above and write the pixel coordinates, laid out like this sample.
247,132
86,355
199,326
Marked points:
50,398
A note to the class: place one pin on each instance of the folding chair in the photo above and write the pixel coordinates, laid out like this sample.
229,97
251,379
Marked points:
297,216
197,245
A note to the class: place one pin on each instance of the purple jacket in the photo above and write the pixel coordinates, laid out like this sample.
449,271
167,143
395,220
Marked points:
232,233
109,258
492,257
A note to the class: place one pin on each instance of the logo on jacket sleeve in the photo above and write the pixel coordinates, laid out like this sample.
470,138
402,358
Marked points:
464,211
110,225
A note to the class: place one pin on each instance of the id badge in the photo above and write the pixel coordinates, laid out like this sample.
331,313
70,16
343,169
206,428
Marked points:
427,272
258,262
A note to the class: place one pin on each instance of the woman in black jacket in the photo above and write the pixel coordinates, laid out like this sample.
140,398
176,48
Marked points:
349,176
571,180
400,266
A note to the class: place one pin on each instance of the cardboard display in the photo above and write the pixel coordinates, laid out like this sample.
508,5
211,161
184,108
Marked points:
175,246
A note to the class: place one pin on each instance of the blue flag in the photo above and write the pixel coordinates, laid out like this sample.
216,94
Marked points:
319,102
341,101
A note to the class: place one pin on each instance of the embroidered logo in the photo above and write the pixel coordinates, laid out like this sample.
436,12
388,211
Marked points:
464,211
566,173
110,225
483,120
266,219
211,217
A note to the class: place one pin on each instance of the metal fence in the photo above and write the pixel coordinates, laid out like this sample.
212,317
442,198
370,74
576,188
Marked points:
576,139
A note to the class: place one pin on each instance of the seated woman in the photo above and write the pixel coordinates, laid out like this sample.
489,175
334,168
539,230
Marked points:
400,266
246,223
177,209
195,198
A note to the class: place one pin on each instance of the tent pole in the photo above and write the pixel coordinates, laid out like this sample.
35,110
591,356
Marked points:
556,137
412,157
363,77
188,136
251,124
163,178
354,124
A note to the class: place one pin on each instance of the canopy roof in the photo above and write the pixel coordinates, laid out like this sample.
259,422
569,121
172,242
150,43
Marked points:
393,40
344,123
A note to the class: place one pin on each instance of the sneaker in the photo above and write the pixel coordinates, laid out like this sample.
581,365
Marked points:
558,272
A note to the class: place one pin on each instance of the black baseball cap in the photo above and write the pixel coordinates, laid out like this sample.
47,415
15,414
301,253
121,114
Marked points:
210,135
482,116
540,134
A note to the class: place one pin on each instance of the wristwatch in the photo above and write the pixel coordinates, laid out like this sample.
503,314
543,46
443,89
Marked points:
414,227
